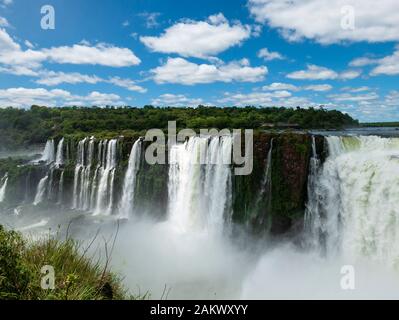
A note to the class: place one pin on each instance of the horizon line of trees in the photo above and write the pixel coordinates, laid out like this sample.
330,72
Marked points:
35,125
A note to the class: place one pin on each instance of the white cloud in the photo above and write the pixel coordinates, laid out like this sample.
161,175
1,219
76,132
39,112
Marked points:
178,70
51,78
4,22
280,86
356,90
29,44
361,62
320,20
349,74
269,55
200,39
5,3
169,99
388,65
25,97
13,58
125,23
101,54
314,72
319,87
127,84
254,98
354,98
150,19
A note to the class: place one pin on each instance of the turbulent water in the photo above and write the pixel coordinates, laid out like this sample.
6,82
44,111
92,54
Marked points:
200,183
353,207
351,219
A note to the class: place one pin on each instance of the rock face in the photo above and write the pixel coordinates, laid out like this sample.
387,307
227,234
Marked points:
271,199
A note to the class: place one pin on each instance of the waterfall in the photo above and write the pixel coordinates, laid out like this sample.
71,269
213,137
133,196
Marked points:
200,194
353,202
48,155
41,191
61,188
104,201
3,187
312,210
126,205
266,186
80,160
59,158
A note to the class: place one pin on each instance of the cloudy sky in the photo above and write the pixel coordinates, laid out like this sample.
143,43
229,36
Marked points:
343,54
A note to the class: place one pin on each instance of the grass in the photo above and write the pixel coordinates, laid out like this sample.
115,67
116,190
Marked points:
77,277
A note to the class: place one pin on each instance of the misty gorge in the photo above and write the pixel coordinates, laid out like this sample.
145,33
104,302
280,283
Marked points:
313,204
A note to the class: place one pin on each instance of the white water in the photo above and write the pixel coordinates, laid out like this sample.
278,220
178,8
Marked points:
48,155
104,200
59,157
355,203
41,190
3,187
352,215
200,194
126,205
61,188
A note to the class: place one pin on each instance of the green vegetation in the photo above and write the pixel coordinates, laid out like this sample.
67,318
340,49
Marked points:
76,276
22,127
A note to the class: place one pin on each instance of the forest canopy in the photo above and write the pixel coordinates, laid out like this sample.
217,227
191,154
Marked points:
19,127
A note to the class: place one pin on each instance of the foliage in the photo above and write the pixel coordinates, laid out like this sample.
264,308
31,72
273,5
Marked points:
77,276
20,127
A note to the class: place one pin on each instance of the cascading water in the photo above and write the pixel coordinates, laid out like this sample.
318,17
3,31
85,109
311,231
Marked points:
353,202
3,187
59,157
200,187
80,161
126,205
265,191
61,188
41,191
104,201
48,155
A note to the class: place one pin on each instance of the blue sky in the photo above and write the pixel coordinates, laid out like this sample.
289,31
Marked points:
340,54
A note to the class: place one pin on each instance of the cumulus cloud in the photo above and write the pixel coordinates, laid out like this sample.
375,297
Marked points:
100,54
319,87
169,99
51,78
320,20
14,59
200,39
127,84
179,70
25,97
267,55
314,72
280,86
388,65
